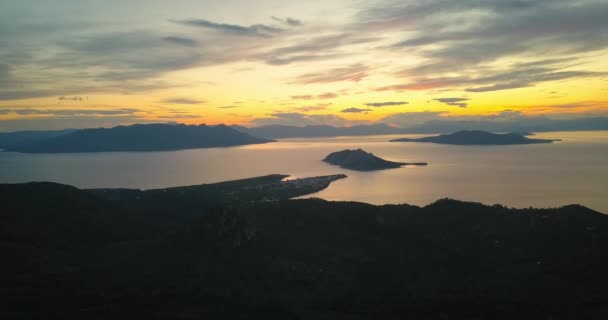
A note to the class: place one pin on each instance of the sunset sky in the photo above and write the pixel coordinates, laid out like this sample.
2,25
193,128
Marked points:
84,63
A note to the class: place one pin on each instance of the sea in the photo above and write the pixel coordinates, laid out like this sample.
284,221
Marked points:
571,171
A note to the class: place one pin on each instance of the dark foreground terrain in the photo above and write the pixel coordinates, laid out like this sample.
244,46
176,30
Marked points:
241,250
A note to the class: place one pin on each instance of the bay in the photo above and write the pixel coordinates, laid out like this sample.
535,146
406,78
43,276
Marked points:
574,170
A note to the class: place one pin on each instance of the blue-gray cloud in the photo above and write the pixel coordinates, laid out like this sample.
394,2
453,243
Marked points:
456,102
316,48
74,98
317,107
260,30
386,104
518,75
186,42
354,73
68,112
183,101
288,21
467,36
322,96
355,110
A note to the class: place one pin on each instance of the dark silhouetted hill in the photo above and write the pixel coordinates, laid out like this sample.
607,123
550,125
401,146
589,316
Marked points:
473,137
140,137
26,137
227,251
362,161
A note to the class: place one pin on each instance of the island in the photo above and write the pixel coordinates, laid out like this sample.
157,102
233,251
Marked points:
360,160
138,137
243,249
476,137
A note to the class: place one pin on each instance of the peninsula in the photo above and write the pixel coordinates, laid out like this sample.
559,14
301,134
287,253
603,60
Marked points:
360,160
139,137
475,137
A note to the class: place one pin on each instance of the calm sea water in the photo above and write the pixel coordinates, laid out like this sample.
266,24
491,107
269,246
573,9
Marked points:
547,175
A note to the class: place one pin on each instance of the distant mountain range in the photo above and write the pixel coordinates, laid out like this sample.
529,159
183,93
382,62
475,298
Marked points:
138,137
282,132
524,124
476,137
538,124
36,141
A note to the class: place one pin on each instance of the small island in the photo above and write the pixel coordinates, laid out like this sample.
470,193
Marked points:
476,137
360,160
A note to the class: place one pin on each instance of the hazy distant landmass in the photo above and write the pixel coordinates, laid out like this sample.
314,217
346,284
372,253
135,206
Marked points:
473,137
523,125
240,249
8,139
315,131
360,160
139,137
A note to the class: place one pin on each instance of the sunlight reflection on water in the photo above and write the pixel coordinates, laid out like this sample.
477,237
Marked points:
571,171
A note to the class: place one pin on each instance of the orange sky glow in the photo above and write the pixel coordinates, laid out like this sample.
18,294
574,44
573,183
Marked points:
85,64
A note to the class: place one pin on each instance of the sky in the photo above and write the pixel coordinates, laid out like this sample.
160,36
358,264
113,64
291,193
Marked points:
85,63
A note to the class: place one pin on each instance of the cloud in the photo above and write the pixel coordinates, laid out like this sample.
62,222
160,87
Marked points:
278,61
301,119
288,21
96,62
183,101
516,75
74,98
5,74
323,96
498,87
355,110
302,97
456,102
259,30
318,107
316,48
467,45
386,104
228,107
327,95
469,37
91,58
68,112
88,62
186,42
408,119
75,122
353,73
